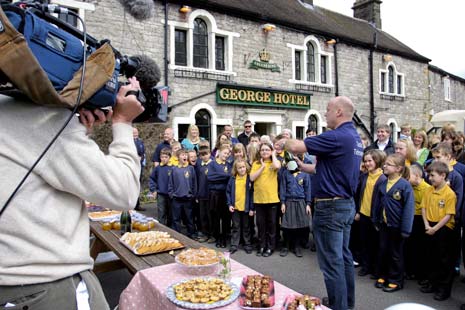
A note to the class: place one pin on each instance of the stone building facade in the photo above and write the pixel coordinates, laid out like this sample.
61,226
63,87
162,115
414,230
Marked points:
289,47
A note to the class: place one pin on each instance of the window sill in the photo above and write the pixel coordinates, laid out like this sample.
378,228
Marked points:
203,74
392,97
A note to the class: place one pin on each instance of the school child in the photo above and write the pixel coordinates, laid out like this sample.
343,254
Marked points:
253,153
393,216
192,157
406,148
205,234
415,246
254,138
239,200
264,174
368,187
158,186
438,212
405,132
175,146
295,197
218,176
239,152
182,189
192,160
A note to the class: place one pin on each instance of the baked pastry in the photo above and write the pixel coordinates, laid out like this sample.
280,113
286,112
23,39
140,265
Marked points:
198,257
201,290
150,242
257,291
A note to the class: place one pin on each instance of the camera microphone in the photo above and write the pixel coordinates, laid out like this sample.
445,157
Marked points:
139,9
145,70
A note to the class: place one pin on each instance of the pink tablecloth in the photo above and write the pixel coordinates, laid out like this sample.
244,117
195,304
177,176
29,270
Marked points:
147,289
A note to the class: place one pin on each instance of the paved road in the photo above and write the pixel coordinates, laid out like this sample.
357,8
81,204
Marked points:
304,276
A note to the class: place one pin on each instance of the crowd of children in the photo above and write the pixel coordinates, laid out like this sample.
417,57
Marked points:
408,215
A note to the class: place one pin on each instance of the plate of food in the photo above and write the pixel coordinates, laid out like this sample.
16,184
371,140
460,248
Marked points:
200,261
150,242
301,302
257,292
202,293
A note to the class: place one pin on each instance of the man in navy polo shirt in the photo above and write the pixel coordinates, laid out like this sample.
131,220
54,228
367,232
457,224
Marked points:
339,154
168,138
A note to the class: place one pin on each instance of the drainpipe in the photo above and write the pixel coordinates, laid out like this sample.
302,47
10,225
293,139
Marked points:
336,82
166,43
371,83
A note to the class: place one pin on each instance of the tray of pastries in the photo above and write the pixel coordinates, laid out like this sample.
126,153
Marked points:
150,242
202,261
103,215
202,293
301,302
257,292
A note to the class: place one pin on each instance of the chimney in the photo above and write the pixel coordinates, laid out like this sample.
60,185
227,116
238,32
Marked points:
369,10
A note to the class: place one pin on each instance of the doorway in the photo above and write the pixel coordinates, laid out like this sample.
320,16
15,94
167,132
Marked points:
265,128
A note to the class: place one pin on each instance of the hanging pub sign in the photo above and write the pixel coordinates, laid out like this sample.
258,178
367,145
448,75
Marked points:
264,62
263,97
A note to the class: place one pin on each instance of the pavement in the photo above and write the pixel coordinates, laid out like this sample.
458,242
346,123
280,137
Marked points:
302,275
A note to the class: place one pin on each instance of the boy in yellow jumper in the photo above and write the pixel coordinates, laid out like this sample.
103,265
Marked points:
415,245
438,210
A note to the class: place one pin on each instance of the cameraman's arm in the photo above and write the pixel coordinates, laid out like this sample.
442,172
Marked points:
76,164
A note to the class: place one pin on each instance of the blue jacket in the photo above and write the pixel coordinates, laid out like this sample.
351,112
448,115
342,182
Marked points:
140,150
361,190
231,194
456,184
295,187
202,182
399,204
159,179
160,146
182,183
218,176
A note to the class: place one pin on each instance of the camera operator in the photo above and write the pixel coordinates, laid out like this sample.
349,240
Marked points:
44,232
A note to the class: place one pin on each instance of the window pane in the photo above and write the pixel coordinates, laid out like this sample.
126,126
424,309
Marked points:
391,80
399,84
180,49
323,70
202,120
383,82
219,52
297,68
310,63
200,44
312,122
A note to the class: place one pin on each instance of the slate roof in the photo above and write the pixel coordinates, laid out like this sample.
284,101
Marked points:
310,19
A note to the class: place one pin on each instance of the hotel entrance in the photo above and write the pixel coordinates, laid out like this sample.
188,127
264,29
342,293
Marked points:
265,128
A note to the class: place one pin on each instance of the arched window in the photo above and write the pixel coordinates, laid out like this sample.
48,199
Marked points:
203,121
391,79
310,62
313,122
200,44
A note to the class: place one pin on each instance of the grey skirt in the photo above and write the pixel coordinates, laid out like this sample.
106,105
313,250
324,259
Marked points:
295,215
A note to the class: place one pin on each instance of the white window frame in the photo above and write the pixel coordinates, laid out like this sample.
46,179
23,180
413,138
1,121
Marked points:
303,63
447,89
386,81
304,123
80,6
213,31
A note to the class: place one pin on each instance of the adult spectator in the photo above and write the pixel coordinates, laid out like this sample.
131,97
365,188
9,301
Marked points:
228,131
140,147
339,153
245,135
222,139
383,142
287,133
310,132
168,138
44,264
420,141
191,142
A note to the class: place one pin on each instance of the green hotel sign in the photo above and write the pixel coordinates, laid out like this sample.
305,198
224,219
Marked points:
263,97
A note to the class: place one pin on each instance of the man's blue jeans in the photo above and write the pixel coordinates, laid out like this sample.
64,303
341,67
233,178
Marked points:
331,227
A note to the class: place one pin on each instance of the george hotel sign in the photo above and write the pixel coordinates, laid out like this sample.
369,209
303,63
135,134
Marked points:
264,97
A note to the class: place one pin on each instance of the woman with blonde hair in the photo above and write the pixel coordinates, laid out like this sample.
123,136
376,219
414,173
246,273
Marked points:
420,141
192,140
406,148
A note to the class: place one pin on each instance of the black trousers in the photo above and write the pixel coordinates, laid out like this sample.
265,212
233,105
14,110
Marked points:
441,259
369,239
391,255
240,225
266,224
415,250
220,215
294,237
205,220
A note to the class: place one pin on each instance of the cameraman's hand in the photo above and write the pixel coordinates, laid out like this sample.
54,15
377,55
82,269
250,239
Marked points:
88,118
127,108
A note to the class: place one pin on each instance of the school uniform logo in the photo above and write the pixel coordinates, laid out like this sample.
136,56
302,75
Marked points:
169,172
206,171
442,203
186,174
397,195
225,169
301,182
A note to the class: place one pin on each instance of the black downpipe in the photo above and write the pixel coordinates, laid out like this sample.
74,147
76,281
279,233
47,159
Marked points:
372,97
166,42
335,71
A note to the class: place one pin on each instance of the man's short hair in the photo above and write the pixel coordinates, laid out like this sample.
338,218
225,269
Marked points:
247,122
385,127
